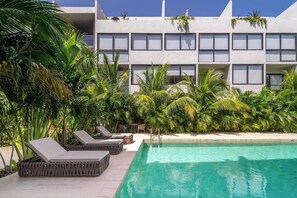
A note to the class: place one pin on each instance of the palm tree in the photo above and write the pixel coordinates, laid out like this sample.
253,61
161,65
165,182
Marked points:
211,91
214,99
28,47
109,75
153,97
77,62
104,100
156,105
30,74
155,79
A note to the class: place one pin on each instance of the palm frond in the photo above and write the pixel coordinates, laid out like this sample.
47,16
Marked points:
17,17
229,104
51,81
186,103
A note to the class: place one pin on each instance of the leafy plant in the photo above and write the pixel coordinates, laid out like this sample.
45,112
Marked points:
290,81
253,18
30,74
125,15
183,21
115,18
155,79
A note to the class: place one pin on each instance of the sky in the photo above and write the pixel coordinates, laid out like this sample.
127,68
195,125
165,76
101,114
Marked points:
176,7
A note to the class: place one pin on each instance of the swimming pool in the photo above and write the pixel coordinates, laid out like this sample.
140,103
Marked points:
212,170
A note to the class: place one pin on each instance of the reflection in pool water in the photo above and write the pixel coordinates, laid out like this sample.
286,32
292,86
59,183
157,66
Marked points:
213,170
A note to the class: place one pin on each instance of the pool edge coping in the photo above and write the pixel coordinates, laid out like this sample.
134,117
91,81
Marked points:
136,153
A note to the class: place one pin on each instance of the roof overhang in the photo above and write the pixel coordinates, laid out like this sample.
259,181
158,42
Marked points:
82,18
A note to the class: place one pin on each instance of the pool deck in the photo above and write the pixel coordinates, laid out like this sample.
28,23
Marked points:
224,137
107,184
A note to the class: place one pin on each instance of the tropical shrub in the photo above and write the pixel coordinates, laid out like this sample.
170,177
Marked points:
253,18
183,21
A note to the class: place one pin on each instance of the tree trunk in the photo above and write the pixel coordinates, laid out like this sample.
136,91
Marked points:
2,158
10,160
64,129
12,151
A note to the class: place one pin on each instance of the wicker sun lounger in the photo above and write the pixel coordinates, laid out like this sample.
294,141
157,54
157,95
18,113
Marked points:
54,161
105,134
89,143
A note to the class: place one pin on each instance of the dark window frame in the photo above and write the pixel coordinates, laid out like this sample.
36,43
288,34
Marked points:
247,41
147,46
139,65
113,51
214,43
280,50
180,36
247,74
180,72
155,66
273,74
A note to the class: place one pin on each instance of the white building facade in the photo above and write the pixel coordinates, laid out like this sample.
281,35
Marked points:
249,57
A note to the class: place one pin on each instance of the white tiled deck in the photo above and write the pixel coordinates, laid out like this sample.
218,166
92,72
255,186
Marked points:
107,184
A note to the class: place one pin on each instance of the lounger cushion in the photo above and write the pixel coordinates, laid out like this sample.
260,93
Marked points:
80,156
46,148
83,137
103,131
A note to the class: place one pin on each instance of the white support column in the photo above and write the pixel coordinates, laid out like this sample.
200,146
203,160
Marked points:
94,26
96,9
163,8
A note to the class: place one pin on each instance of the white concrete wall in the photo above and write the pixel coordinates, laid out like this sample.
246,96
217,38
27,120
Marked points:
162,57
286,22
133,88
248,57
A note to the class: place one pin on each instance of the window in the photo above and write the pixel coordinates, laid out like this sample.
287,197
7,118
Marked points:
146,41
176,73
247,74
247,42
274,81
138,73
214,48
112,43
180,41
280,47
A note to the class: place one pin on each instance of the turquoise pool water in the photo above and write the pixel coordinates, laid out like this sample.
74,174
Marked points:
213,170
